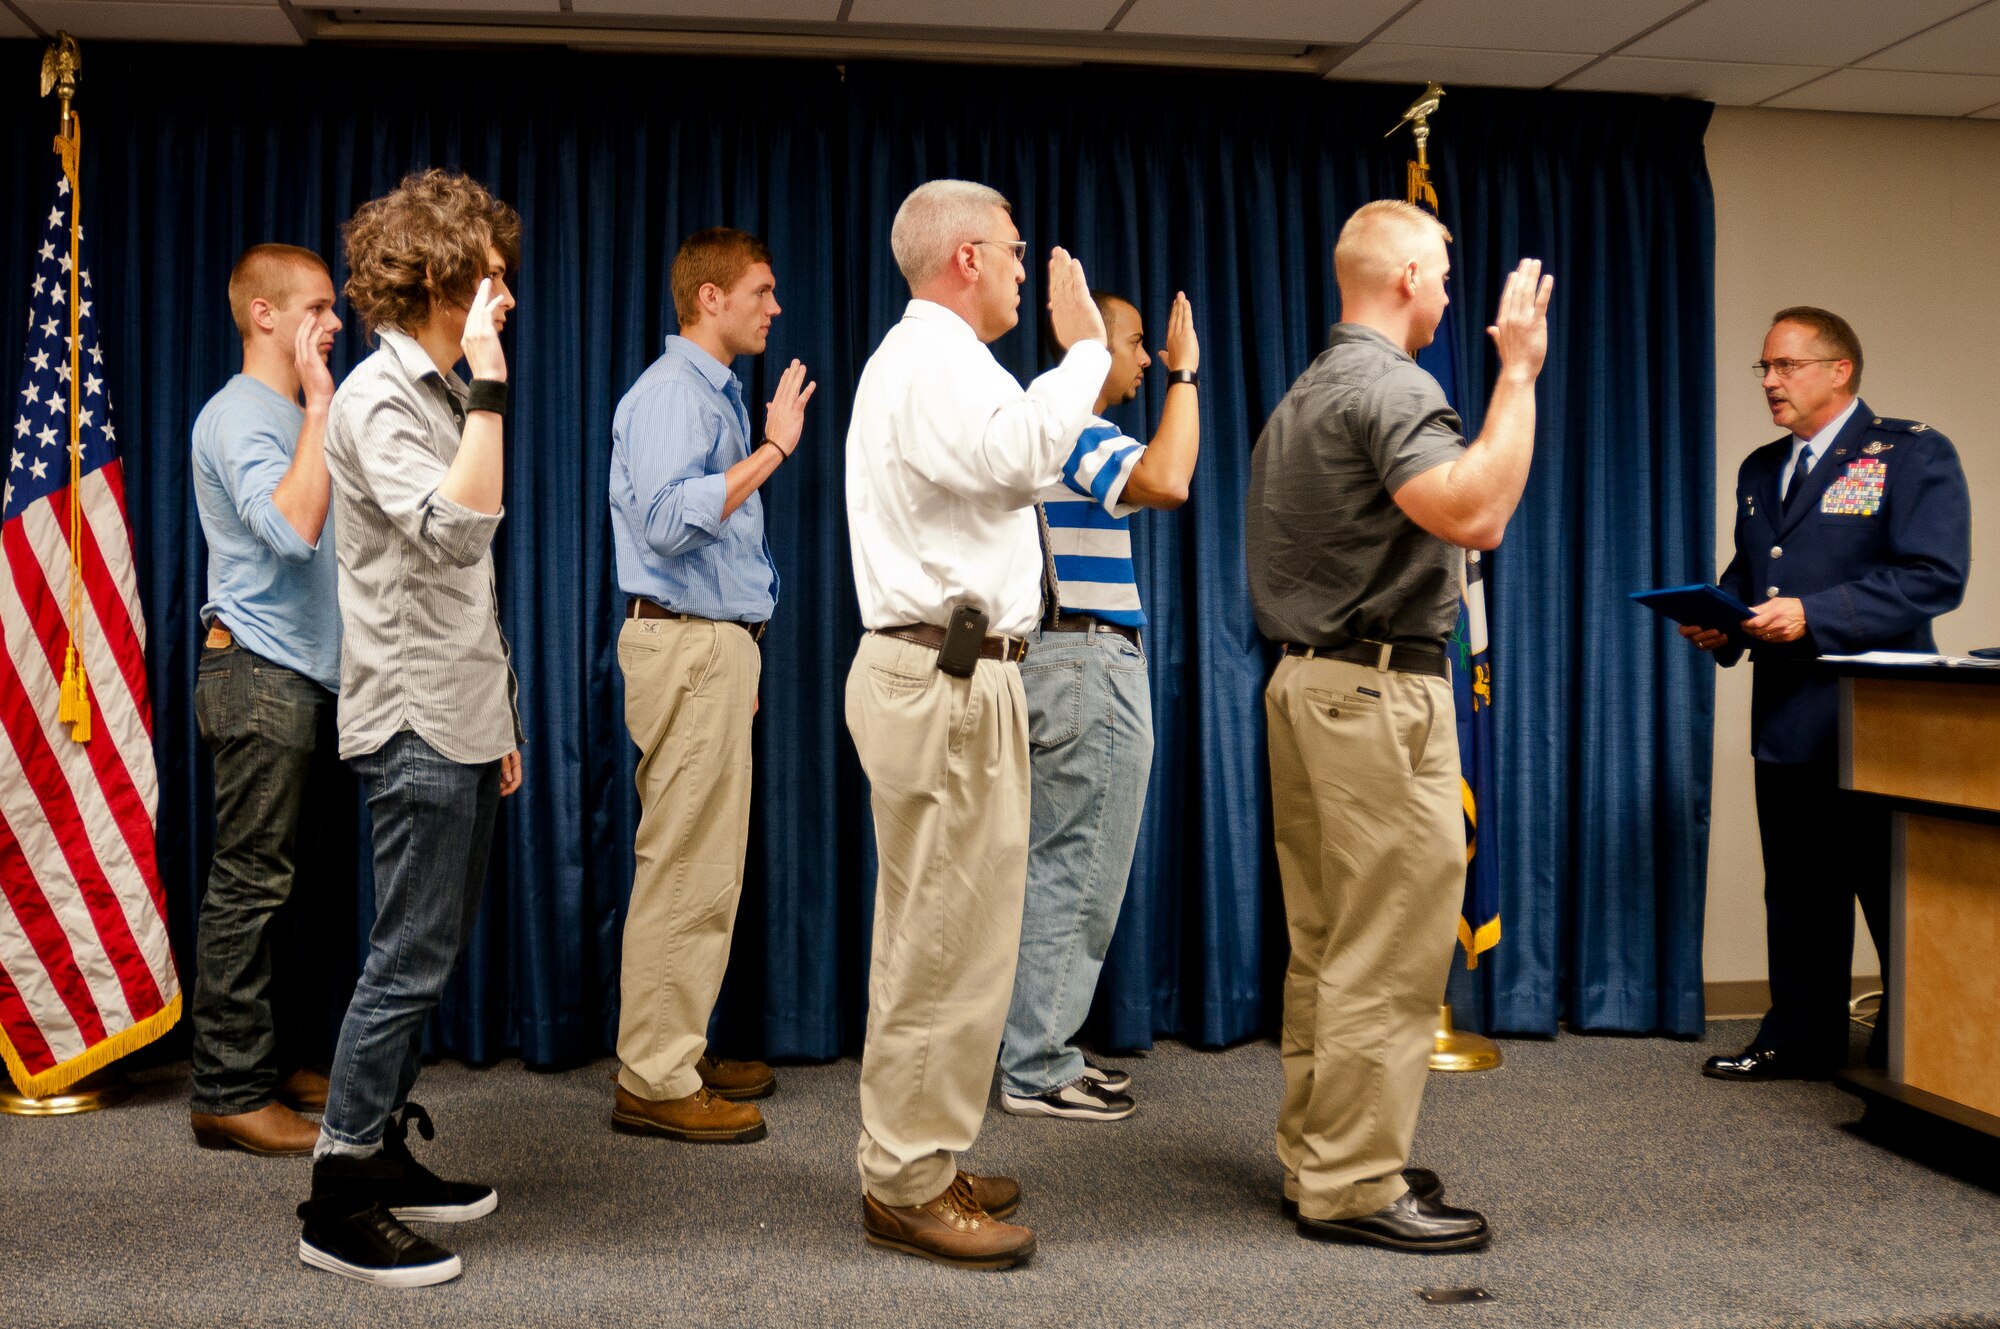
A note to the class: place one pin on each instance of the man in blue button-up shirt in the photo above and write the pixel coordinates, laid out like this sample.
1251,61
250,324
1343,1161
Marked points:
688,532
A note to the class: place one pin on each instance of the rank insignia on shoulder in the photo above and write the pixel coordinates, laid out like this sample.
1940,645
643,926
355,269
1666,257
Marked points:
1918,429
1875,447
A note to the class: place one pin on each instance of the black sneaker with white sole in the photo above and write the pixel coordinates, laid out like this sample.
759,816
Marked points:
1079,1100
347,1229
1107,1078
418,1195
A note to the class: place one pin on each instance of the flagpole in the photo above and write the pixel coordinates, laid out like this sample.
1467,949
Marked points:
60,65
1451,1049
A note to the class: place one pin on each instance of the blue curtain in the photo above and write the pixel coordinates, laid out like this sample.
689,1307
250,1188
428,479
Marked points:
1229,188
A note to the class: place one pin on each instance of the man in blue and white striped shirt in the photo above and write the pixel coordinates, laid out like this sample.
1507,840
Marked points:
1090,720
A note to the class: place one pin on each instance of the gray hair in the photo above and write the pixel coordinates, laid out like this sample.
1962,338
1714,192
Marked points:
935,220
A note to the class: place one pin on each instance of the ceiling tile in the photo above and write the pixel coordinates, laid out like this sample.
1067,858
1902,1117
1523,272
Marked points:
1891,92
11,25
1024,16
148,21
1313,21
467,7
762,11
1990,113
1793,32
1969,44
1528,25
1388,62
1709,80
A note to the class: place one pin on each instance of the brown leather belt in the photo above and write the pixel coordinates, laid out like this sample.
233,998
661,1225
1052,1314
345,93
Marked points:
993,647
1381,654
638,606
1091,623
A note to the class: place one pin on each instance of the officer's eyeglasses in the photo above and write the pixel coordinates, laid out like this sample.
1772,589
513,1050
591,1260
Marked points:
1018,248
1786,368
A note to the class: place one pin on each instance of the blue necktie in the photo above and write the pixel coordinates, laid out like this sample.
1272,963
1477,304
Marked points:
1800,470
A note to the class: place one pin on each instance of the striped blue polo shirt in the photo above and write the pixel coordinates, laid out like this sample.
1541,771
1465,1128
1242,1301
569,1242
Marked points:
1090,530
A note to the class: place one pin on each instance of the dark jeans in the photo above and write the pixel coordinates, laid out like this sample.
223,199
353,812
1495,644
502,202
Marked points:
1824,848
433,822
269,727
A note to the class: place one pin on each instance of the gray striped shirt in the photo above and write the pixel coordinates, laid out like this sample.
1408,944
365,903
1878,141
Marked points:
422,648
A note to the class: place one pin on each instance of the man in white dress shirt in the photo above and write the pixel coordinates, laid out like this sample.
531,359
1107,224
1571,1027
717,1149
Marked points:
944,457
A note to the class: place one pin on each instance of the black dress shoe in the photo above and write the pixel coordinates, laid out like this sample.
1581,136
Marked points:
1410,1224
1423,1183
1755,1063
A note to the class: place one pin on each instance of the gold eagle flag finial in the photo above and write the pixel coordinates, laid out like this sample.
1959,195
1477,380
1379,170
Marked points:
1418,116
61,63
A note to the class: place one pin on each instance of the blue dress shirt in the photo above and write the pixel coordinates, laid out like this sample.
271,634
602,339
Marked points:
273,591
675,432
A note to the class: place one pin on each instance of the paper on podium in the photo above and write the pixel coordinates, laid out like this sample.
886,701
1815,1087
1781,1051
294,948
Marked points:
1911,659
1699,605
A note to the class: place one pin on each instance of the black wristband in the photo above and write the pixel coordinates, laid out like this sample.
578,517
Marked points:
1186,376
487,394
783,456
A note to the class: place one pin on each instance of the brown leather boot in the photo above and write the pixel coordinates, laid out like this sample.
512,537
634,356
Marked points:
304,1090
996,1195
736,1080
272,1129
700,1118
950,1229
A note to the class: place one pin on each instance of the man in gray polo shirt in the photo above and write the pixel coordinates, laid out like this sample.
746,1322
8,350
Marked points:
1363,497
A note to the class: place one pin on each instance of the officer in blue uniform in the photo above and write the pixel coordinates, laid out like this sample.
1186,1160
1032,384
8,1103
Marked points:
1852,533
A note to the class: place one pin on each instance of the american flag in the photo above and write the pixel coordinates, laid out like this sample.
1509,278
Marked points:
86,973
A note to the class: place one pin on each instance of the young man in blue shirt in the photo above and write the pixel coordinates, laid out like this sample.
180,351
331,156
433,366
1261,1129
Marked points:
699,586
1090,720
264,688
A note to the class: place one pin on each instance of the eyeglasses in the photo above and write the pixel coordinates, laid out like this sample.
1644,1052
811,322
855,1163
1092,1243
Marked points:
1018,248
1786,368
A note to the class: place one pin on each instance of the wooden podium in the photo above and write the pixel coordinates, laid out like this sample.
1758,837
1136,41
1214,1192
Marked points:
1927,740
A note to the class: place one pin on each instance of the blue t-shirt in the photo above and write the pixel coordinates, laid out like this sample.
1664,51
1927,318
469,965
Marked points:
675,433
1090,531
274,592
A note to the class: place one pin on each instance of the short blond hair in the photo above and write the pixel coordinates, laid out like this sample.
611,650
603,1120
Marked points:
935,220
1379,239
270,273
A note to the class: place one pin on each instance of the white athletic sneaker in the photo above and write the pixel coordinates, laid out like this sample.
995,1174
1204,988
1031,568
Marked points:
1081,1100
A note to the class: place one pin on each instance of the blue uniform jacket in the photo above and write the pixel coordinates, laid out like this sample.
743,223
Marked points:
1877,548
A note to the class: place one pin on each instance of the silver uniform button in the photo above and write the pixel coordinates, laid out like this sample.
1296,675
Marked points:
1777,551
1771,591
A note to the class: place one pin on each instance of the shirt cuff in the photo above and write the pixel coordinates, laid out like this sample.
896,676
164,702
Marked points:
460,535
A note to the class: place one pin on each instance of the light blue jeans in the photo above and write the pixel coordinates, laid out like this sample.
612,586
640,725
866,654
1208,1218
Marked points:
1090,735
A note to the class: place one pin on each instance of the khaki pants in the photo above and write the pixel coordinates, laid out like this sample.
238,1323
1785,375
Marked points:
947,765
1371,851
690,693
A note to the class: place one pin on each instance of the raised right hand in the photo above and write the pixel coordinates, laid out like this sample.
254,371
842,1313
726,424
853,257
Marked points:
1183,348
315,379
1072,313
1520,331
785,413
481,340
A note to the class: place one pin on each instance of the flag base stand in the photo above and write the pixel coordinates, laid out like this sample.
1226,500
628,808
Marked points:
99,1089
1458,1051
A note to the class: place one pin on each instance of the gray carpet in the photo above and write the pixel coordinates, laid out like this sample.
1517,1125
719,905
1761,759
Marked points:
1624,1190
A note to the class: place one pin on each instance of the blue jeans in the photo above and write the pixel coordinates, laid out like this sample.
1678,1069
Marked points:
1090,736
268,729
433,821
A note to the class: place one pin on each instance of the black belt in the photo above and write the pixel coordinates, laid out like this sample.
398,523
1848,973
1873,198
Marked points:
1403,659
1090,623
640,607
992,647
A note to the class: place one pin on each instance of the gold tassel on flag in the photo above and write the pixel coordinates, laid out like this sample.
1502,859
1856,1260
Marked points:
60,64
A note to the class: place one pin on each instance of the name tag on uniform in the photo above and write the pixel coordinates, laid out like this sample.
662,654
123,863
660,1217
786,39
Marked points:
1858,492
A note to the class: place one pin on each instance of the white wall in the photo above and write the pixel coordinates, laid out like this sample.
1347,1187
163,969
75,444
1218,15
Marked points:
1893,222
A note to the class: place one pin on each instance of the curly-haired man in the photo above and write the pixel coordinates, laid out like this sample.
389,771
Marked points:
427,715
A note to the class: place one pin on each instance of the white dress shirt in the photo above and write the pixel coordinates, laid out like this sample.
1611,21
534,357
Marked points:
1818,443
945,454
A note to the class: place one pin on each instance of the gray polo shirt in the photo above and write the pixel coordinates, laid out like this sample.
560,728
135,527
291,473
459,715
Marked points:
421,646
1332,559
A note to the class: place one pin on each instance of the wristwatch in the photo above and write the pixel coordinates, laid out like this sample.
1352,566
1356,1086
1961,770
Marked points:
1187,376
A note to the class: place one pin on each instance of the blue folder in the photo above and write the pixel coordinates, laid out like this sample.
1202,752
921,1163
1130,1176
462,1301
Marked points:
1699,605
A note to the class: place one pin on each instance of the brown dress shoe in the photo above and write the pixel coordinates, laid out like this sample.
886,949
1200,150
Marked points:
736,1080
996,1195
951,1229
271,1129
304,1090
700,1118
